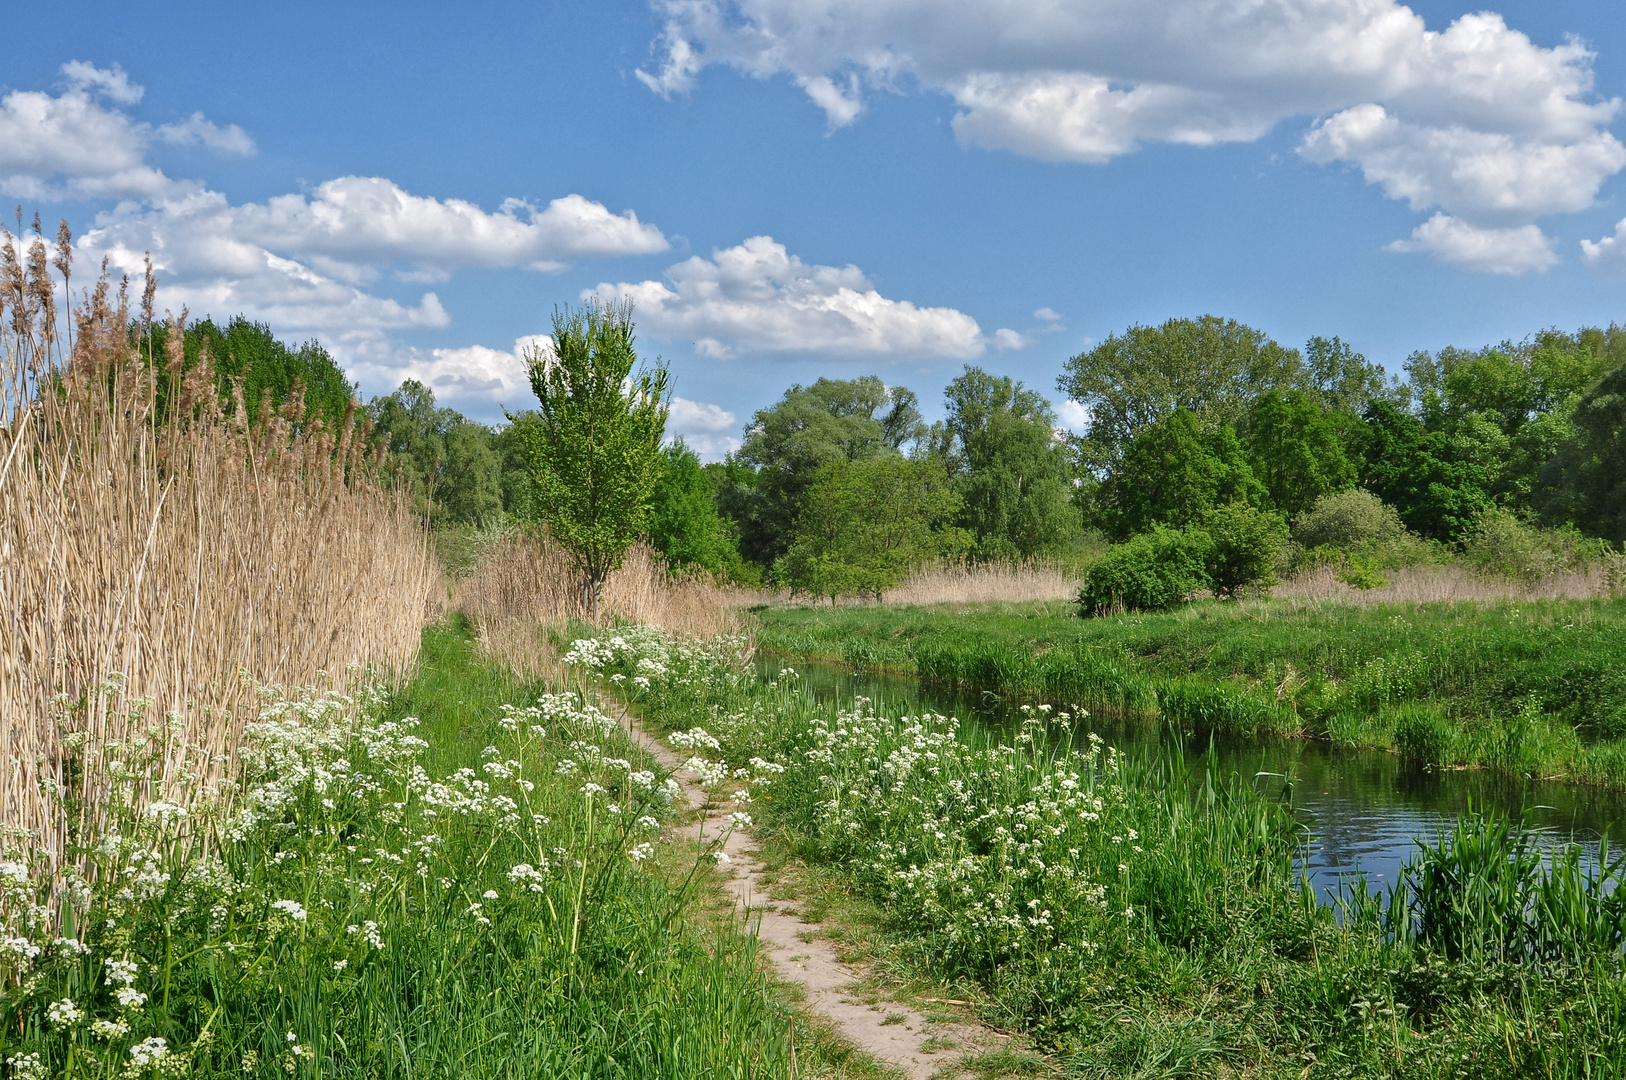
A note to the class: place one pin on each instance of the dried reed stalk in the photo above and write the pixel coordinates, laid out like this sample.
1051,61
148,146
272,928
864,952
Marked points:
525,583
1434,584
158,558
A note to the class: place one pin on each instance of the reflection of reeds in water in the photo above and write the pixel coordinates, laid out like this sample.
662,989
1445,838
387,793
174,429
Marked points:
160,556
1433,584
525,583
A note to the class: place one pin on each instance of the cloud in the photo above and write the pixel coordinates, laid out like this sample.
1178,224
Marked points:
757,299
1475,120
1607,253
1048,315
1005,340
474,380
197,128
695,416
363,220
111,83
75,145
702,426
1511,251
1073,416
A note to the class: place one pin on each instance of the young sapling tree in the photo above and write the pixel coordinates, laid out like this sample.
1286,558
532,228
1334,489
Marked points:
595,440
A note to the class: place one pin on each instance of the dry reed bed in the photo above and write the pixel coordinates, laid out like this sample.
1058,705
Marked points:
525,582
1437,584
147,535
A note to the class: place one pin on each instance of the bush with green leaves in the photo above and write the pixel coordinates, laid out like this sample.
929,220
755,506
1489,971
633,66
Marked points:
1244,546
1501,544
1155,570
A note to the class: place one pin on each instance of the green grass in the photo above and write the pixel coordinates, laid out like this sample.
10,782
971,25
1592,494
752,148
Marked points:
1529,688
1138,918
445,898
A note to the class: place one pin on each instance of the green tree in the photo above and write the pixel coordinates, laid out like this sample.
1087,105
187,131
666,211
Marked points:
831,421
683,520
1173,473
1585,484
1210,366
1345,381
1151,571
447,461
1435,484
470,488
1296,450
246,354
595,445
999,443
865,524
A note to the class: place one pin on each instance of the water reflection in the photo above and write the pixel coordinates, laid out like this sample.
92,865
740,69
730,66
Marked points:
1364,811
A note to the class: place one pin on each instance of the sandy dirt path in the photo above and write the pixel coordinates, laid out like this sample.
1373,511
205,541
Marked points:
810,961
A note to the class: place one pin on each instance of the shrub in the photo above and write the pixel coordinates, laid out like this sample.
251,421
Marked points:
1358,521
1152,571
1499,544
1245,543
1349,519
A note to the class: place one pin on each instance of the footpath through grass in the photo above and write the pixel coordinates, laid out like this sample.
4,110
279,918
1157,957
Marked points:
1530,688
1140,919
463,878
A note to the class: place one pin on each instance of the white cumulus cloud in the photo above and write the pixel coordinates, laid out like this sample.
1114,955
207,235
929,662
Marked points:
1514,250
1073,416
199,129
758,299
1475,120
704,427
475,379
1607,253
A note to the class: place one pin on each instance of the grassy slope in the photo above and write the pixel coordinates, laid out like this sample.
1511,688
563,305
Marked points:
1536,687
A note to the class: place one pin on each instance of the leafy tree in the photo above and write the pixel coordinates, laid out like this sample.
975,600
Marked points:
1436,489
514,467
1585,484
683,520
268,370
1296,450
831,421
415,431
1210,366
1173,473
1155,570
595,445
1343,380
865,524
999,443
470,489
1245,543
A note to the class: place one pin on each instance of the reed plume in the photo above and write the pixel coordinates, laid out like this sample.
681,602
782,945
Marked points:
161,557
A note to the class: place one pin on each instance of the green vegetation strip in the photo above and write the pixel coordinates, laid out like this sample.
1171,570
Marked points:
1530,688
1142,920
464,878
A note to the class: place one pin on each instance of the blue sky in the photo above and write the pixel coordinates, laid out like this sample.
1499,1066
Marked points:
931,176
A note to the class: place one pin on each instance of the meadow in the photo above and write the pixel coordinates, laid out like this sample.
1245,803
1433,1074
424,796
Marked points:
1140,919
1529,687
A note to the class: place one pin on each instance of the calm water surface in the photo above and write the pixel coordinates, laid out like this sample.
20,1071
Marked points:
1365,813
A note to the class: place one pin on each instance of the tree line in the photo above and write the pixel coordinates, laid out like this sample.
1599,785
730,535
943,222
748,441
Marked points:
1207,445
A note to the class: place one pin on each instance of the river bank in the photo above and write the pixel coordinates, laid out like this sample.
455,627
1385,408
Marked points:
1135,916
1529,688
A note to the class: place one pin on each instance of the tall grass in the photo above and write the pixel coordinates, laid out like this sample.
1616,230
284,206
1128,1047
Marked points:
160,556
